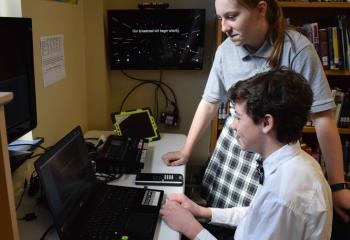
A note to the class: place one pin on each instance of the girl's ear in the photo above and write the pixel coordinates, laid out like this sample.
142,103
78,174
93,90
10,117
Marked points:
262,8
268,123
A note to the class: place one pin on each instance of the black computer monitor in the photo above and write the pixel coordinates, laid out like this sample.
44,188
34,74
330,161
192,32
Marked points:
156,39
17,75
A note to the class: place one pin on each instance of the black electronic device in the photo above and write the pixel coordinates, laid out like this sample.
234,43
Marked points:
82,207
161,179
121,155
156,38
17,75
137,123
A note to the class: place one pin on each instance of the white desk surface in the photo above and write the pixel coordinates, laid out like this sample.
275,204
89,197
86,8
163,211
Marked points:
153,164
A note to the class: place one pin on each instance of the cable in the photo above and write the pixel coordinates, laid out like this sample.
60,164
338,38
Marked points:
47,231
159,86
133,89
34,184
129,93
28,217
24,190
137,79
157,83
156,96
34,156
156,105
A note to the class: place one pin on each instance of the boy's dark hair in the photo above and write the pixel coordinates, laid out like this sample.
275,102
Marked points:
282,93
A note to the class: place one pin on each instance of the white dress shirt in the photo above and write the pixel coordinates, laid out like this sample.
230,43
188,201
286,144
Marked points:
295,202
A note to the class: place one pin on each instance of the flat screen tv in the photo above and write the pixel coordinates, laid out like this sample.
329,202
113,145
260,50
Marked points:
156,38
17,75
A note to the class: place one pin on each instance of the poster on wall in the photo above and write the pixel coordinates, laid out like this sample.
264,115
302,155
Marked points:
52,59
66,1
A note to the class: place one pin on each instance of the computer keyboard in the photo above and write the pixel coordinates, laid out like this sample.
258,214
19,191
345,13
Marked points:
110,216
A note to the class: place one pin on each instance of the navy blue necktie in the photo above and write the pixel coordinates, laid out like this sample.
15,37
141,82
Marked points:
260,170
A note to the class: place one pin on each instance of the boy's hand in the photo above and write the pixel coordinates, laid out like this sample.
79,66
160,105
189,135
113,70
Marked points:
186,203
180,219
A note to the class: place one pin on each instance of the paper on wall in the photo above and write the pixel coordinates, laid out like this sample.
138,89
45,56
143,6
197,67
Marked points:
52,59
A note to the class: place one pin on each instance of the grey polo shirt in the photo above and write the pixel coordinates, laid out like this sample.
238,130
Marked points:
233,63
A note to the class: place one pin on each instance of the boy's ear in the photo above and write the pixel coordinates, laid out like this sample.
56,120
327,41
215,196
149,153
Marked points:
268,123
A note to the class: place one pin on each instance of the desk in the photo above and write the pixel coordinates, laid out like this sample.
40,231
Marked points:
153,163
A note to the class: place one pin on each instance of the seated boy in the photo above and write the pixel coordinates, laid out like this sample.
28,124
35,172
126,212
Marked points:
294,200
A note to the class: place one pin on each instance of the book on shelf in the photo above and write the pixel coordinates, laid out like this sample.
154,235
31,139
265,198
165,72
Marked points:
315,37
331,42
341,113
336,49
306,29
324,48
338,97
311,31
344,115
347,40
330,48
343,41
315,152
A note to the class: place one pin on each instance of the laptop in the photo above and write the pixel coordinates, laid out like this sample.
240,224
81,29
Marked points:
82,207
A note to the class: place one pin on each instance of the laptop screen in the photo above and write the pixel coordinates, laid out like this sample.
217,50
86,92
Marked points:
69,176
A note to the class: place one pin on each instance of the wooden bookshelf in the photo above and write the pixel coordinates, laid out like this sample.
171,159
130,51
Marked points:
337,73
286,4
313,130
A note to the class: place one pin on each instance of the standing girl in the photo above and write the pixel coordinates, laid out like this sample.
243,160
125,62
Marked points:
258,40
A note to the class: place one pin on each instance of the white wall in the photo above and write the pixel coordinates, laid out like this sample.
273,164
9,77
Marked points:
62,105
10,8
